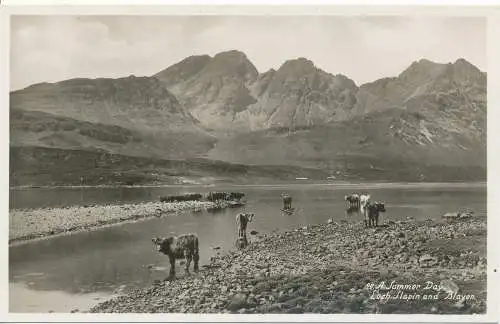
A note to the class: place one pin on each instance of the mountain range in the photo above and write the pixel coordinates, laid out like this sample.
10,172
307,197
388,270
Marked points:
426,124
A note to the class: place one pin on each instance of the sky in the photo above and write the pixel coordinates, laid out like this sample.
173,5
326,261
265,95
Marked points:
55,48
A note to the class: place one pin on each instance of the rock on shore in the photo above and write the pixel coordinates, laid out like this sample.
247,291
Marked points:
30,224
329,268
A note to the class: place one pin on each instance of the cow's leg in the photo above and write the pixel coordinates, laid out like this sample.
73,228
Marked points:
189,257
172,266
376,219
196,259
245,240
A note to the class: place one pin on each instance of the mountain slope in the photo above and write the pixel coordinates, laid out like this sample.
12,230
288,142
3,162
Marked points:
52,166
36,128
420,80
139,103
427,123
299,94
431,114
183,71
392,135
212,89
227,93
102,114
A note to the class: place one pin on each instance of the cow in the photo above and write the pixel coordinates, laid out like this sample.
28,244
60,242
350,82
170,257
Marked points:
372,212
287,200
185,246
364,199
352,201
356,203
242,220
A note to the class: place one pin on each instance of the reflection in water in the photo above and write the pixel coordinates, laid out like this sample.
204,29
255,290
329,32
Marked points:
123,256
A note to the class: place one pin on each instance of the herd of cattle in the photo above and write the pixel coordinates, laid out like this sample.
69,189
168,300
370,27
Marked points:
186,246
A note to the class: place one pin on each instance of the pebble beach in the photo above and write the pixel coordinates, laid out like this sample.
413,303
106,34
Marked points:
27,225
407,267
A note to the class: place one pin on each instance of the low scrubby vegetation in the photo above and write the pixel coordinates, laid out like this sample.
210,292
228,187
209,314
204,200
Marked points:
214,196
184,197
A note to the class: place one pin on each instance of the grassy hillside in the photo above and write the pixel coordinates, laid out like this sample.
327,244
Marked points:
36,128
384,140
48,166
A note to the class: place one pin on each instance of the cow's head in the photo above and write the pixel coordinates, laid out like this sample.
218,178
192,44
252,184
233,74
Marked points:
162,244
251,217
380,206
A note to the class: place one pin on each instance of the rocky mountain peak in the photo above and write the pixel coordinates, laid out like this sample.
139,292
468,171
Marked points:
421,70
234,64
183,70
231,54
464,69
300,65
461,62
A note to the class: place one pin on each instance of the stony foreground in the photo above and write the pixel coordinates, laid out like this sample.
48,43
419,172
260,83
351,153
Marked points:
334,268
31,224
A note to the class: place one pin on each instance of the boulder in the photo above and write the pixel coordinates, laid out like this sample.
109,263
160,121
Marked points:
237,302
427,260
449,286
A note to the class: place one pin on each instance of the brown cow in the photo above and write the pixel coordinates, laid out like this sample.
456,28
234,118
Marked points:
372,212
287,201
180,247
242,220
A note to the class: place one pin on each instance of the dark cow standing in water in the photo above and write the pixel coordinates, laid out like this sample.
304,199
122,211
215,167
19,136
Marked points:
287,201
184,246
242,220
352,201
372,213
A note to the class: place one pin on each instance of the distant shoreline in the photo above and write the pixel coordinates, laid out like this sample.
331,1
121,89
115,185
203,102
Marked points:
297,182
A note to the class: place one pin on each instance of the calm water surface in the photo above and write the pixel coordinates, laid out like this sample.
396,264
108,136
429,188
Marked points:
79,270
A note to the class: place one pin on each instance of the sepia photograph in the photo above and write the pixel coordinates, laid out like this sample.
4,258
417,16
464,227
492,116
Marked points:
248,164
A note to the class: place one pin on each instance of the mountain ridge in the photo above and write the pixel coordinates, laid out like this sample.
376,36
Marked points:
221,108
